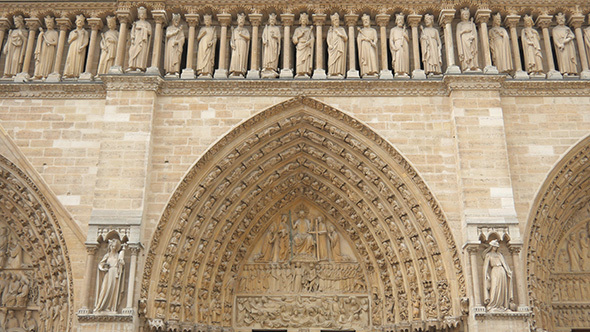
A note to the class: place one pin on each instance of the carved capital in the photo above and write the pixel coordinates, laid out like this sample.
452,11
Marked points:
382,19
319,19
135,248
4,24
482,15
514,248
192,19
124,16
33,24
351,19
576,20
63,23
512,20
91,248
224,19
472,248
544,21
160,16
287,19
95,23
255,19
446,16
414,20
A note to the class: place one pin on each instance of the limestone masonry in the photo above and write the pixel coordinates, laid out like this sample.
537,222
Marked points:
231,166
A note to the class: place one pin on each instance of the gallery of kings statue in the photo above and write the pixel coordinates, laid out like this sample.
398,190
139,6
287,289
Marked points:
295,166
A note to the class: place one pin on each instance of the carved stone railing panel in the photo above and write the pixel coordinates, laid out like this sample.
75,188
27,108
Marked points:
36,282
394,226
463,38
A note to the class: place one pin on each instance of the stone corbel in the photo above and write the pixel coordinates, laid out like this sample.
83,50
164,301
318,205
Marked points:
576,22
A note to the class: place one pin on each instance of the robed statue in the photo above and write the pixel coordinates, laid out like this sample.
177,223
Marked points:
111,268
498,290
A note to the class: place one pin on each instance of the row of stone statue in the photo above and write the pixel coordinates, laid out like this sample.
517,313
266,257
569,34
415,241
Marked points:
10,250
574,256
502,45
14,290
571,289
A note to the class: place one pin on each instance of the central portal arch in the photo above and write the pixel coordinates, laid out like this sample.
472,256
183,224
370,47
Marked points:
402,269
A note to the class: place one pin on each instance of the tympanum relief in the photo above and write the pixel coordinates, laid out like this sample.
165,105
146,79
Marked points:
19,290
302,273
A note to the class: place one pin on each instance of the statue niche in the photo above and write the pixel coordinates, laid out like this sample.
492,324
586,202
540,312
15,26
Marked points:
302,273
110,276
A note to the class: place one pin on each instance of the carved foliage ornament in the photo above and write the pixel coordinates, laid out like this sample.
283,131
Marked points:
302,149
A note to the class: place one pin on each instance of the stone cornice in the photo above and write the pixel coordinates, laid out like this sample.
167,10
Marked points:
292,88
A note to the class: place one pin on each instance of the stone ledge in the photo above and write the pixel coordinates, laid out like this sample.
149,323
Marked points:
511,315
105,317
292,88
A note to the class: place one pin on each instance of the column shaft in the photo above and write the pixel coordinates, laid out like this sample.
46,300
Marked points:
445,18
254,72
548,51
581,47
131,284
319,72
90,259
485,43
160,18
520,286
221,71
190,47
383,40
121,45
33,25
475,277
351,20
287,71
189,71
91,49
515,49
61,43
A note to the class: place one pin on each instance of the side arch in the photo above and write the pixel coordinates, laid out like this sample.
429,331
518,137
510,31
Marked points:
35,255
302,149
560,209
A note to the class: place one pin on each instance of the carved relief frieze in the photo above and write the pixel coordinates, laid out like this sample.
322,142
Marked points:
35,282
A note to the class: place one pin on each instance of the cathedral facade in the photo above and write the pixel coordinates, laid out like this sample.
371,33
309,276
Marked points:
237,166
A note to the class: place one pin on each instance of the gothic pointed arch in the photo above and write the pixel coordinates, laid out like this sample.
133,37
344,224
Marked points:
557,244
34,260
302,153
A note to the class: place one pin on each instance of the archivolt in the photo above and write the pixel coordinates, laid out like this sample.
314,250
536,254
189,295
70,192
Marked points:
302,149
28,214
553,214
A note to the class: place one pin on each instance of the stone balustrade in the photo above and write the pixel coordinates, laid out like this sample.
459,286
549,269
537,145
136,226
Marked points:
278,45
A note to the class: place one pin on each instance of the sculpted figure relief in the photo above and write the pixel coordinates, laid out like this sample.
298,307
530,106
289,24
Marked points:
14,49
140,38
498,279
563,39
303,242
467,42
240,44
108,46
336,40
174,45
111,266
303,40
587,39
367,45
271,44
29,322
207,39
431,47
45,49
78,41
3,246
531,46
400,49
500,45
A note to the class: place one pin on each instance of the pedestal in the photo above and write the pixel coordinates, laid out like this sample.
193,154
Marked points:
454,69
286,74
53,78
490,70
22,78
418,74
86,77
353,74
521,75
153,71
319,74
585,75
116,70
187,74
253,74
220,74
554,75
386,75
